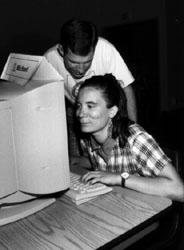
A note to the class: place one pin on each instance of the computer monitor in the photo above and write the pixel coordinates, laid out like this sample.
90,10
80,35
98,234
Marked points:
34,162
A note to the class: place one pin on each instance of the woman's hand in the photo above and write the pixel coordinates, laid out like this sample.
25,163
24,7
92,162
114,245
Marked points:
102,177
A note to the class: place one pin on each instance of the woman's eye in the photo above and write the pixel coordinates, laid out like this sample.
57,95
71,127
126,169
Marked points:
90,106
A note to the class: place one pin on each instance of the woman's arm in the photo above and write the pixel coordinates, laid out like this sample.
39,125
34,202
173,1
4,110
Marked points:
167,184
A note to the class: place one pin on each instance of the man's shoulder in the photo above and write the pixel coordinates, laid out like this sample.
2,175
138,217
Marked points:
104,47
51,50
104,42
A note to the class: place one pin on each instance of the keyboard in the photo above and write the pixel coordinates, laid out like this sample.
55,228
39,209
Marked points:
81,192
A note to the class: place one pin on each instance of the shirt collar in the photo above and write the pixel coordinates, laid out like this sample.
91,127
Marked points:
105,149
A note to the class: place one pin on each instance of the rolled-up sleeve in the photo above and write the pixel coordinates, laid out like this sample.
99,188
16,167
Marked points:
148,156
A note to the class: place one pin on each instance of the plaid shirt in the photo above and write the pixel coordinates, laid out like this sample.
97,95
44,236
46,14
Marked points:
141,154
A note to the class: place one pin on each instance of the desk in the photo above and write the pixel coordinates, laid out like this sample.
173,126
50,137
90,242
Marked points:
101,223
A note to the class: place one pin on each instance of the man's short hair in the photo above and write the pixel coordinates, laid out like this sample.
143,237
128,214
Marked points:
79,36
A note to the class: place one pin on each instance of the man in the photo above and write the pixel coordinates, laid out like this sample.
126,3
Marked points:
82,54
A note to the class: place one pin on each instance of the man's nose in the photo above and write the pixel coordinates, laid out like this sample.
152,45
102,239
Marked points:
81,68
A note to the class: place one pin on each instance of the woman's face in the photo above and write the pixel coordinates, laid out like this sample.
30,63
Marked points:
92,112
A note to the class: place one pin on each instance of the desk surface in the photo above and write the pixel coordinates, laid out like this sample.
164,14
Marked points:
97,223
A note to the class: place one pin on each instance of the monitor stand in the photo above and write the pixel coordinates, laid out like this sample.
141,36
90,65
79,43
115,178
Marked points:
11,213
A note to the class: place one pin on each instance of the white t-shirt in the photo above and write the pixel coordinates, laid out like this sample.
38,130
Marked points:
106,60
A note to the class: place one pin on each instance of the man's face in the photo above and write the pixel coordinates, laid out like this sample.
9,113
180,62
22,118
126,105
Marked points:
77,65
92,112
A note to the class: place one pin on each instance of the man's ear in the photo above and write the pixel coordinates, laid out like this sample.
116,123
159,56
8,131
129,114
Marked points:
60,47
113,111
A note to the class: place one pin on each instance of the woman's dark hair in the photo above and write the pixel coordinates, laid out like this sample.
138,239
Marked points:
114,95
79,36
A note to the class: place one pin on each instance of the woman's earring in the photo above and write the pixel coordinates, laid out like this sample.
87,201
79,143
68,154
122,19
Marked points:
110,126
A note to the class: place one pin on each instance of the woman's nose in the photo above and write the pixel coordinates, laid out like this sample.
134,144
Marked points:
81,112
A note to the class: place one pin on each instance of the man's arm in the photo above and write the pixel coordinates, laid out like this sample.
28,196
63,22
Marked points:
131,103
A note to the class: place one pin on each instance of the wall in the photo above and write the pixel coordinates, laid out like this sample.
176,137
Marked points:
175,53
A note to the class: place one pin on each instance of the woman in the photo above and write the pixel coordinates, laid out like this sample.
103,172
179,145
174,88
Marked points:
121,152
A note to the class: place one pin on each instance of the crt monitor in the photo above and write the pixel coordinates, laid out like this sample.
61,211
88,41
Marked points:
34,160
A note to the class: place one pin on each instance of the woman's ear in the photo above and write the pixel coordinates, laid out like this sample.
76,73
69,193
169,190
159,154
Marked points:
113,111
